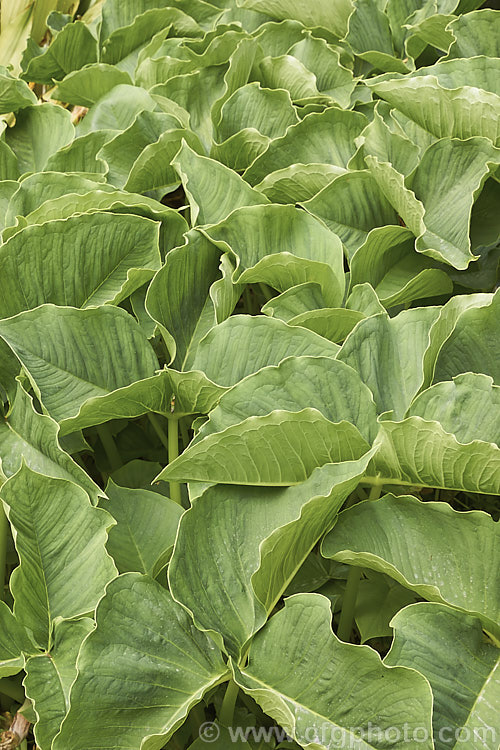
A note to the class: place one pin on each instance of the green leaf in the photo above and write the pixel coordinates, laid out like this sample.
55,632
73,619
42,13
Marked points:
282,246
50,676
473,344
351,206
145,531
153,169
81,155
422,453
331,15
374,534
251,542
334,687
468,407
270,112
322,383
193,392
104,257
212,189
244,344
8,163
36,189
180,298
388,261
333,323
60,539
89,84
29,437
286,72
14,93
280,449
388,355
299,182
332,78
455,113
447,180
71,49
104,198
138,623
39,132
72,355
325,137
15,642
444,326
296,300
117,108
121,152
447,647
379,599
475,33
370,36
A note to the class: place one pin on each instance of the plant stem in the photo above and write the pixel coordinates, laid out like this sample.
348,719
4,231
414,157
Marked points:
109,446
155,422
4,534
12,689
184,433
196,719
346,620
173,452
228,704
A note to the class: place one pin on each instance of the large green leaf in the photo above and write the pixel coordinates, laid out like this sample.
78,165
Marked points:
244,344
270,112
299,182
117,109
443,188
86,86
374,534
213,190
15,642
239,547
121,152
447,647
419,452
370,36
72,48
145,531
473,344
475,33
352,205
138,624
60,539
81,155
31,437
388,355
331,15
39,133
279,449
49,677
14,93
181,297
335,691
457,112
282,246
326,137
297,383
82,261
72,355
468,407
332,78
388,261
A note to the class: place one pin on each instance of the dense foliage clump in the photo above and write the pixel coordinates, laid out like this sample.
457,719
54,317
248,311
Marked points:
250,374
